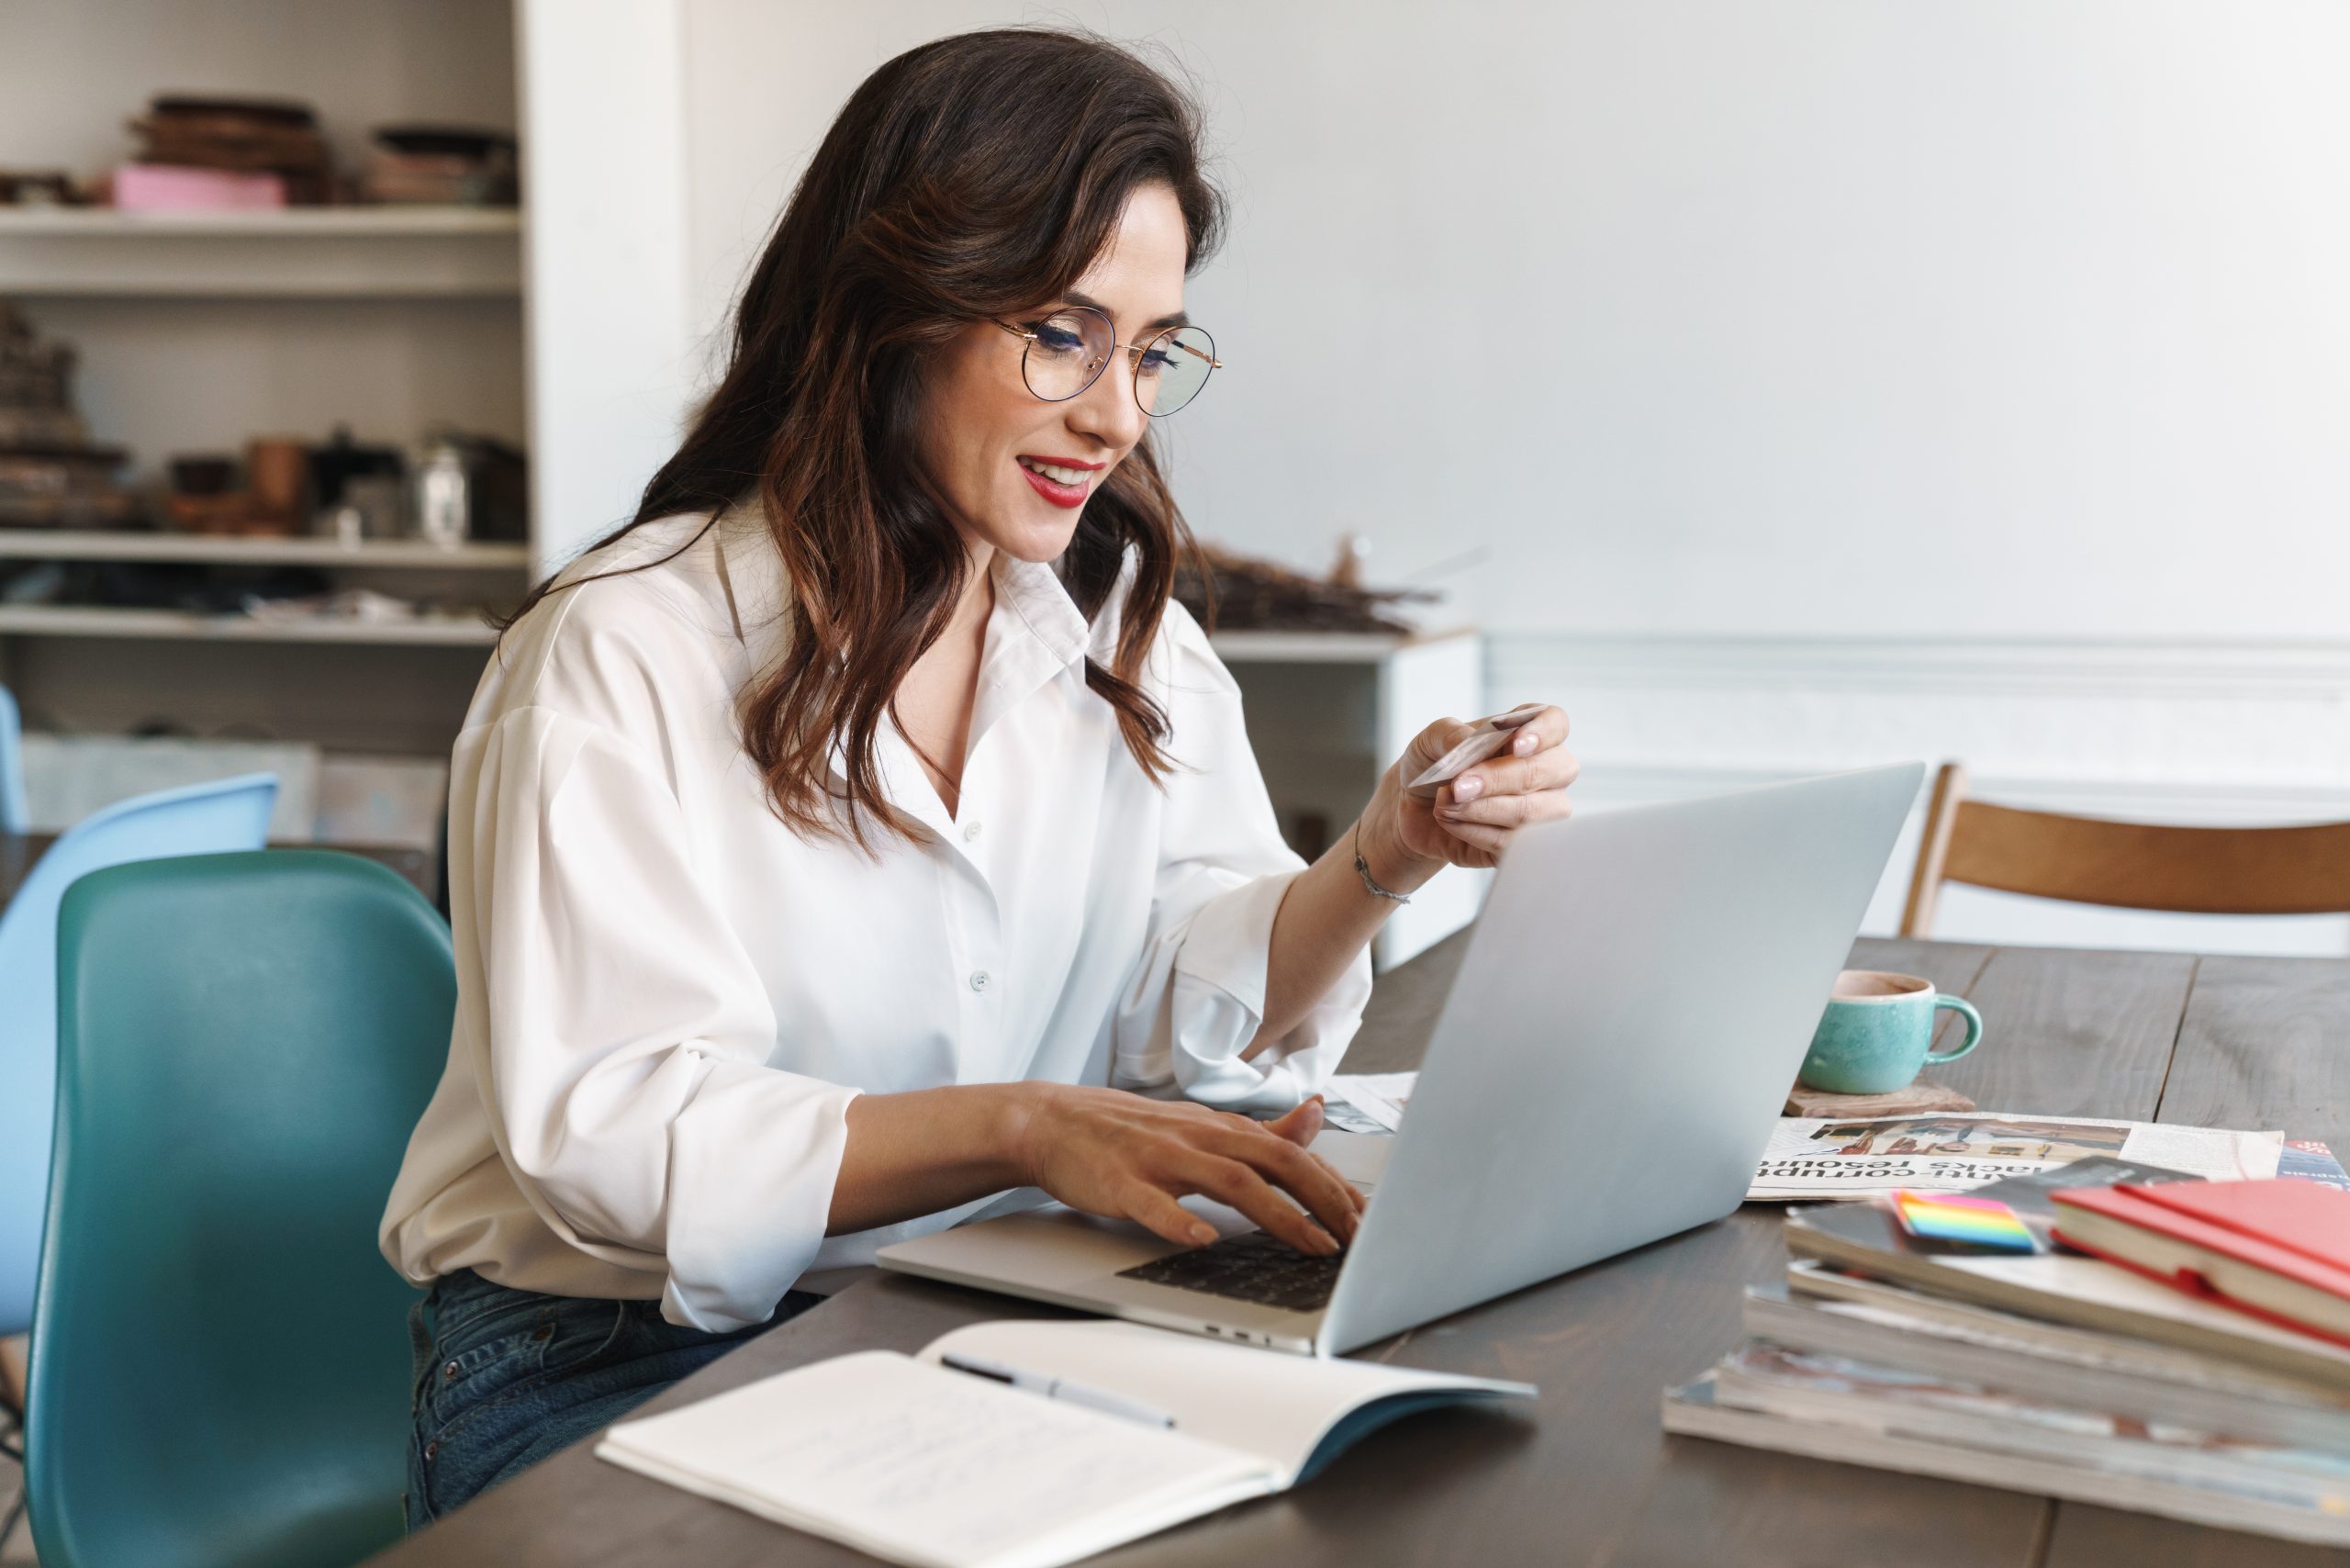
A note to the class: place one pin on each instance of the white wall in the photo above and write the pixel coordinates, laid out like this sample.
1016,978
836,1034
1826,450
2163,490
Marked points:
1847,315
611,343
1830,379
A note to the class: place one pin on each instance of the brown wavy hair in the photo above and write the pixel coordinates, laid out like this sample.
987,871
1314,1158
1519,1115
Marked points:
967,180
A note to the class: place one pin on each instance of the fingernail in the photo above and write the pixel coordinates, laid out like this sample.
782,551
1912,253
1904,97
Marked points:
1524,745
1202,1234
1468,787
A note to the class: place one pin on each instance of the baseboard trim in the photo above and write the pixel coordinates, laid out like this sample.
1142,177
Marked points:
2184,667
1611,781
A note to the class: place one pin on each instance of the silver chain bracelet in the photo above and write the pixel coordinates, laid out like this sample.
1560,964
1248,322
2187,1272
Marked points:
1363,870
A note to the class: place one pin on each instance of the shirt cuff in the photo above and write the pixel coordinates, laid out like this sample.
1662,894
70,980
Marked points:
1218,1004
743,1231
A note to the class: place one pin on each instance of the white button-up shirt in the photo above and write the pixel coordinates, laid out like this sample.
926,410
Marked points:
667,998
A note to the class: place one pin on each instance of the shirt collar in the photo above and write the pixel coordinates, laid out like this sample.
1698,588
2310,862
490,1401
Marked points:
1034,633
1040,605
758,594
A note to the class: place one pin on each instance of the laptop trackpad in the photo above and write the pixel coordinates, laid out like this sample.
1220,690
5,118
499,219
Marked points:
1053,1246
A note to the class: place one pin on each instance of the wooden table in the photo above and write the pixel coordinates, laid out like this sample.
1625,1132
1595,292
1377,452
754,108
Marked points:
20,852
1589,1479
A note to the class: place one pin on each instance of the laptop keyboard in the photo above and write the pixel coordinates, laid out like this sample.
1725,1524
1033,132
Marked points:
1253,1266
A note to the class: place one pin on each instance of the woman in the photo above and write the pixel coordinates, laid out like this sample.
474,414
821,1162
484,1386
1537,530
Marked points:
861,832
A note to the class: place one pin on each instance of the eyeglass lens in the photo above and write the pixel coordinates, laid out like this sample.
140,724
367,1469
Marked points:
1070,348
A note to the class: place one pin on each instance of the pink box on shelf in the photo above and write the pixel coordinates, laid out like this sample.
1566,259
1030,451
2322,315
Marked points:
166,187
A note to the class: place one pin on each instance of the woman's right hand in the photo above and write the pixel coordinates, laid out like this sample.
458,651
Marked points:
1120,1155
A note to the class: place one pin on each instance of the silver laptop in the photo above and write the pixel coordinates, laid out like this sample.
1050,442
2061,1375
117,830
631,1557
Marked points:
1634,1003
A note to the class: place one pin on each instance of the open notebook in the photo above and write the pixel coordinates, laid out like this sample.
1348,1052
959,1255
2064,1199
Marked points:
903,1458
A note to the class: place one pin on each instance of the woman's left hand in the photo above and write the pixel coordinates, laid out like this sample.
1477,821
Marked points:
1467,821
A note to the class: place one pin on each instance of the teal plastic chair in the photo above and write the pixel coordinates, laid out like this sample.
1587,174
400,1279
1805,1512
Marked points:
199,819
15,815
220,1368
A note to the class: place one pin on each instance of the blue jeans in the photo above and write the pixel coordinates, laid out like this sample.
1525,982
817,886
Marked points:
505,1378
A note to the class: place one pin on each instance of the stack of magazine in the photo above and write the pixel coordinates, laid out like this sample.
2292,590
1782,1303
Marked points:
2050,1372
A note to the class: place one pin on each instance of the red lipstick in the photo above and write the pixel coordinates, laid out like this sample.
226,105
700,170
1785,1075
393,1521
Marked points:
1053,490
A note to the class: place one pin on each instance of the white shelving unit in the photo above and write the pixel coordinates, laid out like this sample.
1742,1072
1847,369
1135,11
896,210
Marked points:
198,333
147,625
279,223
1327,711
353,252
86,544
412,557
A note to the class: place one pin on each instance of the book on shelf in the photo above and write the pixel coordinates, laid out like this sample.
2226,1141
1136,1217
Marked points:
952,1458
2279,1250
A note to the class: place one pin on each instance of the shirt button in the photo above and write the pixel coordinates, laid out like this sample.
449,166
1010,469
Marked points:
979,980
970,832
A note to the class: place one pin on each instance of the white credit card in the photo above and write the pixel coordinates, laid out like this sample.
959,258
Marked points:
1490,737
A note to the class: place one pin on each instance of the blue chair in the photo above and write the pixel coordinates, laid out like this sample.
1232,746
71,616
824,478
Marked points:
15,816
221,1374
199,819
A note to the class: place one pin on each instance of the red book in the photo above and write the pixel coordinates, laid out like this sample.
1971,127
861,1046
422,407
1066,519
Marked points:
2279,1249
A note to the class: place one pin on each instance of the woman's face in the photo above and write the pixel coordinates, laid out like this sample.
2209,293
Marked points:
989,438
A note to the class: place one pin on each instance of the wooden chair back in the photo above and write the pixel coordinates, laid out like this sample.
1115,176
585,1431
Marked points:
2195,870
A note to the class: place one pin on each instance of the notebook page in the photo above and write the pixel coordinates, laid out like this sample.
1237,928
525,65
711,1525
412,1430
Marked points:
1266,1403
934,1468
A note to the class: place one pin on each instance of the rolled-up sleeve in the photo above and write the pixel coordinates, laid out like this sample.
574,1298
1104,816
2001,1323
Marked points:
1197,996
625,1069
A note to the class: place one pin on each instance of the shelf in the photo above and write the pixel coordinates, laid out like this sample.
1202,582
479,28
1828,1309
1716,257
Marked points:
1319,647
89,544
276,223
327,252
64,620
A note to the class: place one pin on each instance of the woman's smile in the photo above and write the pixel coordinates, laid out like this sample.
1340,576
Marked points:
1064,481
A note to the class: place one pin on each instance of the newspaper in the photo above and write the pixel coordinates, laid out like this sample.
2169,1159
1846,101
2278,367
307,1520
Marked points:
2313,1161
1811,1158
1815,1157
1368,1101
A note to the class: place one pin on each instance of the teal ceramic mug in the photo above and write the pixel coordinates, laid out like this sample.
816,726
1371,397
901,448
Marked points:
1879,1031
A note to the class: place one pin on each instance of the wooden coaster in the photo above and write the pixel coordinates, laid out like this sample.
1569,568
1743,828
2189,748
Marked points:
1919,1099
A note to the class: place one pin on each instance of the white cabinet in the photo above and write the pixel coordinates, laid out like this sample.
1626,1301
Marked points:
1327,712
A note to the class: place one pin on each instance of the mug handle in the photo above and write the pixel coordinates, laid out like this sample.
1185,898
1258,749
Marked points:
1973,1027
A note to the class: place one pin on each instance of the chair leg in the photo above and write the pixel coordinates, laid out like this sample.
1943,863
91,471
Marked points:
1933,850
15,1450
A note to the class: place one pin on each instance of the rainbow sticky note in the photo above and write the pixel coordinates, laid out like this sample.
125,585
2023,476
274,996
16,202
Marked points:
1955,1217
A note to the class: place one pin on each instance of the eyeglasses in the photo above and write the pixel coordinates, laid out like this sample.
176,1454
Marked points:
1068,350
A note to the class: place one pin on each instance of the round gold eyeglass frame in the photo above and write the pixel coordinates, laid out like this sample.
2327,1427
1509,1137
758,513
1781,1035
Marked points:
1133,360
